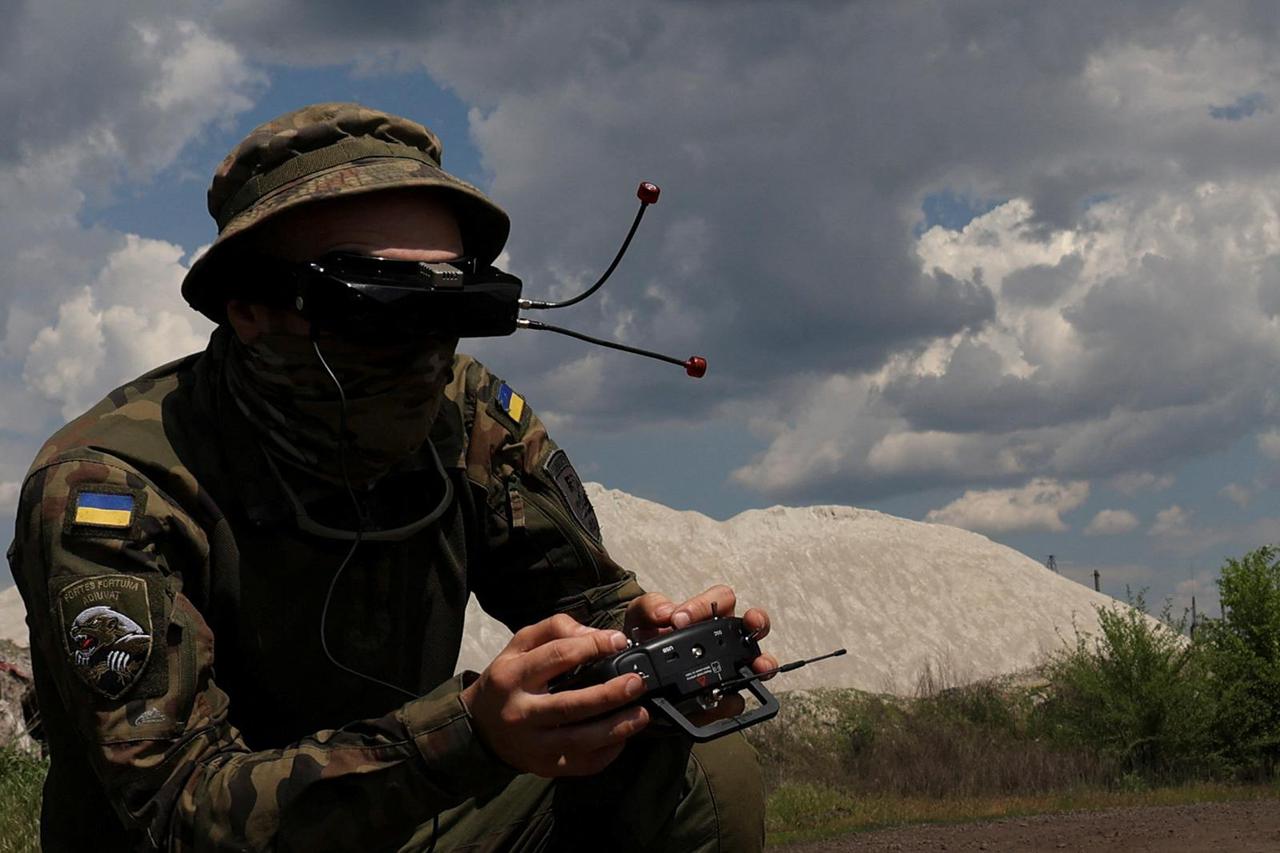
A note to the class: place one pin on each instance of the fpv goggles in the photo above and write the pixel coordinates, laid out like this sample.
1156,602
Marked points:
370,298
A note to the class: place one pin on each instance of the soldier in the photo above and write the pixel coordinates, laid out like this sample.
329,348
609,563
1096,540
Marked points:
245,586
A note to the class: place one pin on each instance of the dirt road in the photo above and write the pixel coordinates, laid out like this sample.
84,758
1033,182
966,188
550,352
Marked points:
1245,827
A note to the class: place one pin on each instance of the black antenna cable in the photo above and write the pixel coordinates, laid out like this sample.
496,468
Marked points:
648,194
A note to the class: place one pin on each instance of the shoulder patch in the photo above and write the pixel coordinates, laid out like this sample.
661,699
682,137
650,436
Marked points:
509,402
101,509
106,631
559,471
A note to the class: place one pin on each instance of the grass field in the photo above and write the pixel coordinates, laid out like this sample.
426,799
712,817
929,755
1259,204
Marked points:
796,811
841,761
808,812
21,777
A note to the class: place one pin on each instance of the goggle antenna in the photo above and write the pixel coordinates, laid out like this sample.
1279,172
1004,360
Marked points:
694,365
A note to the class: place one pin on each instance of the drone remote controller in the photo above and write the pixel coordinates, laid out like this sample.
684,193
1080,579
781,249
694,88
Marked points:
690,670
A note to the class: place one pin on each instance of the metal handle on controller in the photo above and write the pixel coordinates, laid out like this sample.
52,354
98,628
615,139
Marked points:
768,710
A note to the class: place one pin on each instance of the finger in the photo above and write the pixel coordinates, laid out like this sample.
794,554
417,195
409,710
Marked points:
764,663
757,622
574,706
651,610
700,607
540,665
580,739
551,628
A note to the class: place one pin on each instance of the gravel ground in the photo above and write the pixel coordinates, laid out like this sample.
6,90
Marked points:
1242,827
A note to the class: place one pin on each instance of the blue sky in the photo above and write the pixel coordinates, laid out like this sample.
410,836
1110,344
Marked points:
1012,269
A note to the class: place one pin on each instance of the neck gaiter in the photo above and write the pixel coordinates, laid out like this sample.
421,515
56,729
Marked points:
393,394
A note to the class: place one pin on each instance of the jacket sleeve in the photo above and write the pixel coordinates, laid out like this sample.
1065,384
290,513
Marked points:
101,554
545,553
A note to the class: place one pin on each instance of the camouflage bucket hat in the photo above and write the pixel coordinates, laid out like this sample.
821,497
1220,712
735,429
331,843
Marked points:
324,151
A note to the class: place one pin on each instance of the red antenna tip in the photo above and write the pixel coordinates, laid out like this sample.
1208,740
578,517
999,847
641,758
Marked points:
648,193
696,366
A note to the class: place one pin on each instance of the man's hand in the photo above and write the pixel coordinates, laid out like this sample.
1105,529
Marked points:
554,734
654,613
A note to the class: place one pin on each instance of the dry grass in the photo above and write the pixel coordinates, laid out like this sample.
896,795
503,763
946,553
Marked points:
799,812
839,761
971,741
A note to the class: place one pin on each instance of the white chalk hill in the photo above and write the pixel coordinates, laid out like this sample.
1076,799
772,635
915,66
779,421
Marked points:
13,617
898,594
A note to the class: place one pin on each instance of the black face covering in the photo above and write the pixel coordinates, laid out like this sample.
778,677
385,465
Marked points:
392,396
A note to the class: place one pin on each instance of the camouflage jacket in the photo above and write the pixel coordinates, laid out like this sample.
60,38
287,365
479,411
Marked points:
152,535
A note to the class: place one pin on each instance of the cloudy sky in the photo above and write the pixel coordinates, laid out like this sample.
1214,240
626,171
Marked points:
1013,267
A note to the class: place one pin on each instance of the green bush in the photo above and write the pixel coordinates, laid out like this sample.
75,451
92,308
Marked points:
1139,693
1242,651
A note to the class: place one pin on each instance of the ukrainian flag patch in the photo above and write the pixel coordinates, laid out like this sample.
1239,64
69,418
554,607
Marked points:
510,402
103,509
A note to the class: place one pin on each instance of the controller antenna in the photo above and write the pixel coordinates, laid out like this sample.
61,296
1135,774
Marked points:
786,667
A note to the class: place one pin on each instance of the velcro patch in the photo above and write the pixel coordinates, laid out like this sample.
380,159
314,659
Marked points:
104,510
511,403
560,471
100,510
106,631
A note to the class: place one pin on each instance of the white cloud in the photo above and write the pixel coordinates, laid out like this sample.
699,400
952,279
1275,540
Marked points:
65,357
200,73
129,321
1134,482
1239,495
1175,83
1039,505
1269,444
9,496
1095,380
1173,522
1111,522
812,449
577,382
1175,531
940,454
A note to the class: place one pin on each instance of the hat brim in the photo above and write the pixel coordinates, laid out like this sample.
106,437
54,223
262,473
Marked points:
483,224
